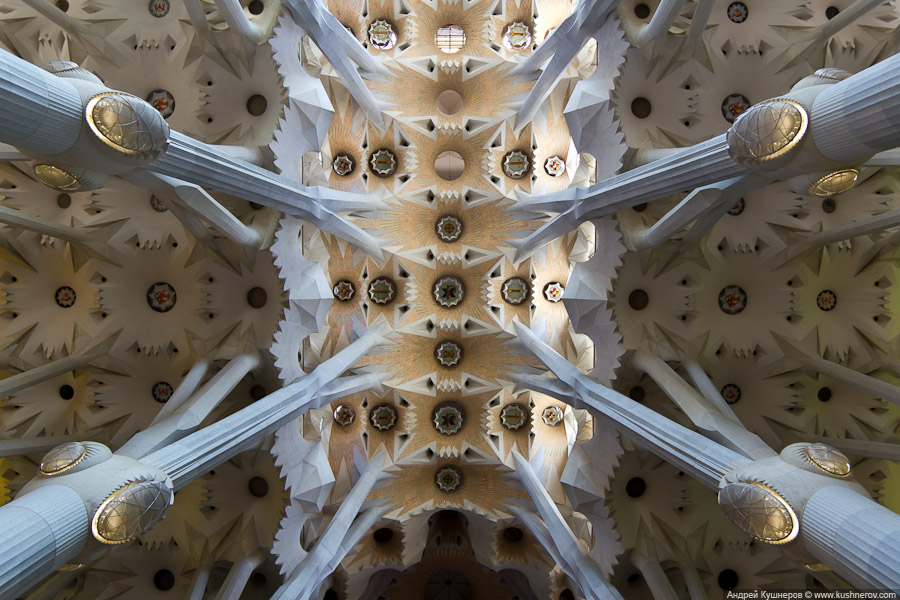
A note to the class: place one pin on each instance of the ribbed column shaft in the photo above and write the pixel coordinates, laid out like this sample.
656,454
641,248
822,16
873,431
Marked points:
41,112
855,536
39,532
699,165
857,117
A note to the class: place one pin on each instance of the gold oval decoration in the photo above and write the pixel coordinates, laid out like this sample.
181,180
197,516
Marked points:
828,459
759,511
126,124
834,183
767,131
62,458
130,511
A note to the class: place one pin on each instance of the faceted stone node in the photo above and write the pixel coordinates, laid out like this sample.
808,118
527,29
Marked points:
65,297
450,38
381,35
163,101
738,12
449,228
555,166
826,300
343,164
157,204
383,163
515,291
344,415
161,297
638,299
552,416
731,393
737,208
448,353
448,478
733,106
343,290
159,8
554,291
513,416
162,391
448,419
517,36
383,417
448,291
732,299
516,164
382,291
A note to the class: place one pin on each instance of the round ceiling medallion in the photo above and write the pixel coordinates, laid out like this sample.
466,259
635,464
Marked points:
448,353
516,164
737,208
163,101
555,166
344,415
734,106
343,164
157,204
448,291
383,417
514,290
731,393
517,36
554,291
826,300
65,297
448,478
449,228
552,415
383,163
448,419
381,35
343,290
159,8
382,291
738,12
732,299
162,391
161,297
450,39
513,416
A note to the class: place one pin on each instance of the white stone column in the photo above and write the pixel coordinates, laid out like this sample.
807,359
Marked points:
41,112
239,575
656,579
39,532
857,537
859,116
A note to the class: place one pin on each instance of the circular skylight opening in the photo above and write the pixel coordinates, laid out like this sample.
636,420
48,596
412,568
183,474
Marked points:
449,165
450,39
449,102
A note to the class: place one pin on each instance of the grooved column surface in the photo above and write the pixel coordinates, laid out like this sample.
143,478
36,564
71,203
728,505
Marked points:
41,112
855,536
39,532
859,116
